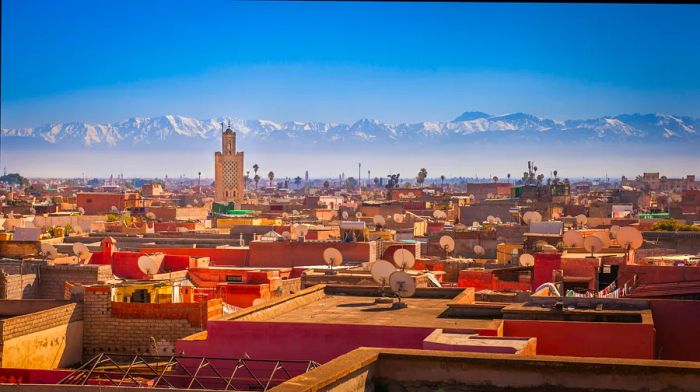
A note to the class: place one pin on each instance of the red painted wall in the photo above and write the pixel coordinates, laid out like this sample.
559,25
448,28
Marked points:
677,324
231,257
545,263
658,274
291,254
32,376
582,339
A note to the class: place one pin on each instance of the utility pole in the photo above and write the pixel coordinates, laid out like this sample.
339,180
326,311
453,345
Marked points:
359,176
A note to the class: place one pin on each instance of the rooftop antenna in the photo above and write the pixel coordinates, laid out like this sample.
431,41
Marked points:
629,238
82,252
573,239
148,265
49,251
592,244
404,259
333,258
403,285
526,260
447,244
381,270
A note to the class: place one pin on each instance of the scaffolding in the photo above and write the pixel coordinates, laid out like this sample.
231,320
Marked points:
185,372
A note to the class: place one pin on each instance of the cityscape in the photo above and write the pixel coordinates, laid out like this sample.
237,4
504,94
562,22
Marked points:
250,196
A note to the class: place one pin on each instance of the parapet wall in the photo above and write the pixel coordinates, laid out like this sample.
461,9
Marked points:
140,328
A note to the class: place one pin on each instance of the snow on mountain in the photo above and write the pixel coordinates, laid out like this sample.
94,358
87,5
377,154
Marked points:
169,128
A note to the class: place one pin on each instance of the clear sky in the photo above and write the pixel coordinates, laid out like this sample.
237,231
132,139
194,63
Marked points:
109,60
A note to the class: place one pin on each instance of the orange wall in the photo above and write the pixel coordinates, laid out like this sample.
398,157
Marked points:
586,339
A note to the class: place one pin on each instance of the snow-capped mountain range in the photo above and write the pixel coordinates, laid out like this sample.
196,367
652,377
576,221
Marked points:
468,127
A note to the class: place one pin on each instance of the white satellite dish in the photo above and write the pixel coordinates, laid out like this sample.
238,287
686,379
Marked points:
604,237
358,214
148,265
491,219
447,243
532,217
613,231
285,215
286,235
402,285
592,244
573,239
381,270
302,230
398,218
404,259
479,250
295,212
629,238
475,224
345,215
49,251
581,220
498,220
526,260
332,257
114,209
81,251
379,220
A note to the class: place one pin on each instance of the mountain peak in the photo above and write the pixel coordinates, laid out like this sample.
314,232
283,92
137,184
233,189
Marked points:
469,116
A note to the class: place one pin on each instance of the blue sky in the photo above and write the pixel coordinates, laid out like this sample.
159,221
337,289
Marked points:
108,60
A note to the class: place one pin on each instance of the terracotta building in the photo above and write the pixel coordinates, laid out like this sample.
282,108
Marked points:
228,169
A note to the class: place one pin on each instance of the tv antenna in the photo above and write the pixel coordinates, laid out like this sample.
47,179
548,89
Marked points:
404,259
333,258
403,285
381,270
573,239
82,252
592,244
526,260
447,244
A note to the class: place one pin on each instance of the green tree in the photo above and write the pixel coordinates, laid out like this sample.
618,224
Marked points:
271,177
14,179
422,175
351,183
257,180
297,181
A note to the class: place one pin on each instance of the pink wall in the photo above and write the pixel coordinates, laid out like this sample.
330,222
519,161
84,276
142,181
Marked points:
291,254
677,324
583,339
230,257
318,342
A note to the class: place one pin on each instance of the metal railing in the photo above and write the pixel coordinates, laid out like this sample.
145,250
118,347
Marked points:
183,372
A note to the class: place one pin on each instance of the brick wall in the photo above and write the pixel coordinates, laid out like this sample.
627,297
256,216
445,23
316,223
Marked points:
17,326
18,286
143,328
54,277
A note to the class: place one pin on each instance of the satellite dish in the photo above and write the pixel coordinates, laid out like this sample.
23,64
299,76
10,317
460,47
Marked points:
479,250
491,219
498,220
81,251
285,215
358,214
475,224
592,244
151,215
573,239
49,251
398,218
286,235
613,230
295,212
604,237
581,220
114,209
447,243
404,259
332,257
379,220
402,284
381,270
532,217
302,230
345,215
148,265
526,260
629,238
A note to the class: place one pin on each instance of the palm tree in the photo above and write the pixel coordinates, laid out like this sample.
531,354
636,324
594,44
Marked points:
508,175
495,179
255,168
297,181
271,176
257,180
442,181
247,178
422,175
